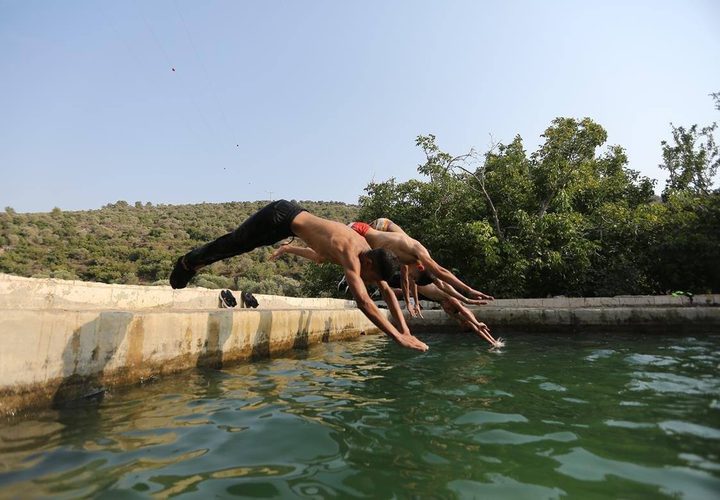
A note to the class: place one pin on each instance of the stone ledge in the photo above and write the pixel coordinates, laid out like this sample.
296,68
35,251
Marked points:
49,356
35,293
503,320
63,339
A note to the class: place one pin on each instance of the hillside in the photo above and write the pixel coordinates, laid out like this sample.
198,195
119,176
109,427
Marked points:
138,244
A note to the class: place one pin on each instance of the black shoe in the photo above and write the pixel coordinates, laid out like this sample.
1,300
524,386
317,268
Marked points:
248,299
180,275
227,299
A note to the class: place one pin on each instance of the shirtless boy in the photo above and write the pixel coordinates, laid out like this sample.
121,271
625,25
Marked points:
327,241
412,253
437,290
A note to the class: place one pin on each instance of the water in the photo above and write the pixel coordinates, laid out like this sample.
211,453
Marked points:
548,417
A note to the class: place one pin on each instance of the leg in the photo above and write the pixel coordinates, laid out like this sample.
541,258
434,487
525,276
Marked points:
268,225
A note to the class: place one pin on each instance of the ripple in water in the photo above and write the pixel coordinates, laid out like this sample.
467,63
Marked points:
548,417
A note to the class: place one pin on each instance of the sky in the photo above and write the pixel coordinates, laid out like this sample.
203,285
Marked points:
179,101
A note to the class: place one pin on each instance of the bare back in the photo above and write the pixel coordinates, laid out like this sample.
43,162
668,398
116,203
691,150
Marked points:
406,248
331,240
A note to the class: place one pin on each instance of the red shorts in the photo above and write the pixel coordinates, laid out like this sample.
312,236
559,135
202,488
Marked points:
360,228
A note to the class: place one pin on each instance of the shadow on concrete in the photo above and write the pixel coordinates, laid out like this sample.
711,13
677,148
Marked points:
82,382
219,330
260,339
302,335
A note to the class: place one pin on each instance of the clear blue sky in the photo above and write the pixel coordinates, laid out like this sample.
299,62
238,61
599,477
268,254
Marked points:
313,99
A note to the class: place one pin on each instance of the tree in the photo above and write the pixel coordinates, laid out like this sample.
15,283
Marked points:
692,160
564,158
693,157
559,221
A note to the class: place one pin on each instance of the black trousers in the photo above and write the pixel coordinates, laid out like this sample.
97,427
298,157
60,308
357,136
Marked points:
267,226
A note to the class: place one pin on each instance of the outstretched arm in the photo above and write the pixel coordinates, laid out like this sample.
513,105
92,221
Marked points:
478,327
465,317
447,276
414,288
305,252
368,307
407,284
394,306
455,294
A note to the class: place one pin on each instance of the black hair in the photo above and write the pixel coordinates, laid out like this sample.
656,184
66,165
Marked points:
384,262
424,277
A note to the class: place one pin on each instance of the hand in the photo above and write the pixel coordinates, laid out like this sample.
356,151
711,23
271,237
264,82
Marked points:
278,252
412,310
416,312
499,343
483,328
480,296
483,331
411,342
477,302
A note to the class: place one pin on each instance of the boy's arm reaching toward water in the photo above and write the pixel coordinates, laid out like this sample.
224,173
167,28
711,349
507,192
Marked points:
445,275
368,307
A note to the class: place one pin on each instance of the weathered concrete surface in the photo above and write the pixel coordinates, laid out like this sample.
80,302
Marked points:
604,302
34,293
655,319
62,339
49,356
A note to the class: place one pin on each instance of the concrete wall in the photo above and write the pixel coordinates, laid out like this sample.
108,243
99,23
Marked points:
51,356
656,319
33,293
62,340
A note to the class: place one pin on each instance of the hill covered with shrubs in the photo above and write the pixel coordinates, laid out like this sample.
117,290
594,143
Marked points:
138,244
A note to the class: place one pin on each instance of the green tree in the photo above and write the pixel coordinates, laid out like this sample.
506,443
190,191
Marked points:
519,225
692,157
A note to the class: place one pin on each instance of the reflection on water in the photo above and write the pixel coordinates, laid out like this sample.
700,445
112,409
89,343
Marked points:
550,416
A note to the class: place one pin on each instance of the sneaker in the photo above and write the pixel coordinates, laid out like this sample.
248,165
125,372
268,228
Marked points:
227,299
248,299
180,275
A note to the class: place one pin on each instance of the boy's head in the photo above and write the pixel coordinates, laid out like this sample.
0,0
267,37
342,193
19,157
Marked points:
423,277
379,264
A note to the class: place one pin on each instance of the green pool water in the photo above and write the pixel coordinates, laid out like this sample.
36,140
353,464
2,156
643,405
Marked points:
551,416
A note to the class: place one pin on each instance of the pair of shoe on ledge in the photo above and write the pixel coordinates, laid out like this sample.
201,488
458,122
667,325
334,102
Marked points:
182,274
227,299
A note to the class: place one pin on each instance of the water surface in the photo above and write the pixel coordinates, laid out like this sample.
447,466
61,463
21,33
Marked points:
548,417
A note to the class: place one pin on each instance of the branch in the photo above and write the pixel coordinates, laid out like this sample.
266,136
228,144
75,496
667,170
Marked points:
488,199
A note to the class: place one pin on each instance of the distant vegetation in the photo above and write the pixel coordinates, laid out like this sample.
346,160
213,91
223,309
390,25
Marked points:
138,244
568,219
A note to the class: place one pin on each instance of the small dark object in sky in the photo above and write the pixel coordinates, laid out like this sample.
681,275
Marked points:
173,69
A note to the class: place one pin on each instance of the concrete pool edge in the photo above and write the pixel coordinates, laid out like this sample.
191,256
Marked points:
65,339
52,356
503,320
